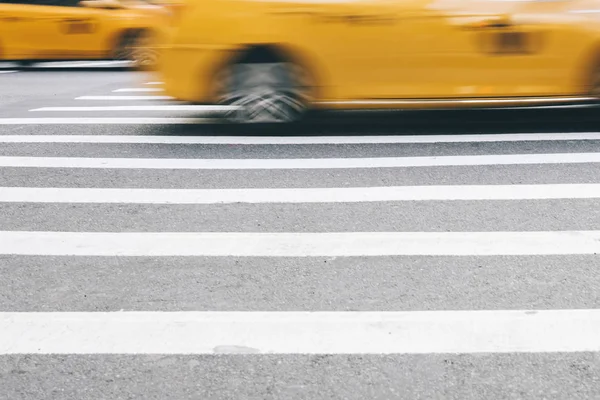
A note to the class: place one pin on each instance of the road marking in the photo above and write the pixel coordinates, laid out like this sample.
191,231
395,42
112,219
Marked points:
88,64
90,121
308,195
137,90
331,244
164,107
127,98
258,140
298,163
394,332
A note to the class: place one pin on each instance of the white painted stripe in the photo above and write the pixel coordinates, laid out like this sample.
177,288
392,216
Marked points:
7,71
259,140
137,90
298,163
335,244
86,64
164,107
308,195
408,332
126,98
90,121
154,83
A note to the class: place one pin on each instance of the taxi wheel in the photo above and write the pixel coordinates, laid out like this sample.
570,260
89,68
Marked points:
594,89
143,55
137,49
263,92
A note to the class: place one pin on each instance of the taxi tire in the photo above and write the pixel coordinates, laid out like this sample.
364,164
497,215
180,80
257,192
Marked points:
122,49
264,92
144,57
133,47
594,84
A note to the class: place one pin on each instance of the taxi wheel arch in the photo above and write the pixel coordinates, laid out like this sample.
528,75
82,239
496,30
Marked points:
266,54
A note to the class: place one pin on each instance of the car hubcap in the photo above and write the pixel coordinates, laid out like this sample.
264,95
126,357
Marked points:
266,93
142,53
138,50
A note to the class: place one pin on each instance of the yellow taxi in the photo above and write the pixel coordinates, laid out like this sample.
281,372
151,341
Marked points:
271,60
44,30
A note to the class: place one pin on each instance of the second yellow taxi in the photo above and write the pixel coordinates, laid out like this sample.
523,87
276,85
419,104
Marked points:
44,30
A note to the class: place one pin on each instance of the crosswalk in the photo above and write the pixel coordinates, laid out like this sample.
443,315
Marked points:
266,193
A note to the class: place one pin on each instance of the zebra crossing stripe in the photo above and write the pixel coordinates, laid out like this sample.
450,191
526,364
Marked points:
163,107
130,90
298,163
299,195
127,98
330,244
407,332
91,121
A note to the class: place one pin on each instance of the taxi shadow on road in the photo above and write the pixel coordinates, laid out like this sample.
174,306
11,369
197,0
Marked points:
415,122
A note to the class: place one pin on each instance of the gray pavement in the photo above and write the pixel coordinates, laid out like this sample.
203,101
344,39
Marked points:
400,283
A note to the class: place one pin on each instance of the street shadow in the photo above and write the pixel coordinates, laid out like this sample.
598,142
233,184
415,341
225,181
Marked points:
412,123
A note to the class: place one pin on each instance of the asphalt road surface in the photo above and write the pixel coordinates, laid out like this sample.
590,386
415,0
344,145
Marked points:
149,253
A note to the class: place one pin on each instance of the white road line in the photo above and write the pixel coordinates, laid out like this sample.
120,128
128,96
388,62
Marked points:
164,107
91,121
258,140
334,244
87,64
121,98
298,163
312,195
408,332
137,90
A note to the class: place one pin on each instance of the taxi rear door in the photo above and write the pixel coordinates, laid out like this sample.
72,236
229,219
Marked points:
502,48
538,51
64,29
505,48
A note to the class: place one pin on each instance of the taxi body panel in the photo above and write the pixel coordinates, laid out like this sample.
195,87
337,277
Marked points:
369,53
66,30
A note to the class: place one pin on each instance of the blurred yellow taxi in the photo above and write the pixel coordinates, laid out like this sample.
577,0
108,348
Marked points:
270,60
44,30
